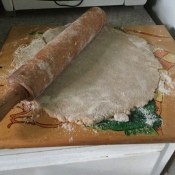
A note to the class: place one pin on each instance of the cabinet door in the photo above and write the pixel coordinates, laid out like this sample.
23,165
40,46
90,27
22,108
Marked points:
35,4
134,2
8,5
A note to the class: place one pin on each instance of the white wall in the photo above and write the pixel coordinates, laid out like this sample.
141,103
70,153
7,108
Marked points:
165,10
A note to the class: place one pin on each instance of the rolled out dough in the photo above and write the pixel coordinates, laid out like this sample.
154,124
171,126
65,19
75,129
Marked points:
113,74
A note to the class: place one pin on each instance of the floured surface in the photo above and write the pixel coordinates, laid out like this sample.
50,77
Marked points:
115,73
25,52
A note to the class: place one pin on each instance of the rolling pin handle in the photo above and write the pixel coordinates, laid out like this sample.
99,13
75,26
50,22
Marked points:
14,94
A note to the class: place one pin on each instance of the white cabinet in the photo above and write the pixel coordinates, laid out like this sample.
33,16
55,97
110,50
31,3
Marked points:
11,5
136,159
134,2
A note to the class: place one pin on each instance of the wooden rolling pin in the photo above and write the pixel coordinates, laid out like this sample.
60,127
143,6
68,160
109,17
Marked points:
31,79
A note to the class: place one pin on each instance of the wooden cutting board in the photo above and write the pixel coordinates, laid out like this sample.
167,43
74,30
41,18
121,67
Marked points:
18,130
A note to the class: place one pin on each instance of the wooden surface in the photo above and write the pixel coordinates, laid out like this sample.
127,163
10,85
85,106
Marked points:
48,131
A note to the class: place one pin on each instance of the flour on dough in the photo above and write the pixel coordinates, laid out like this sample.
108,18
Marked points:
113,74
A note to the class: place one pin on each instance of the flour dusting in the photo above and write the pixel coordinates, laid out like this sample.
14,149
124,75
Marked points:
26,52
166,84
71,139
46,67
150,118
121,117
68,127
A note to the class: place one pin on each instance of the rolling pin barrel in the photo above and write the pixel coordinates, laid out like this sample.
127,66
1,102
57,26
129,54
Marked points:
51,60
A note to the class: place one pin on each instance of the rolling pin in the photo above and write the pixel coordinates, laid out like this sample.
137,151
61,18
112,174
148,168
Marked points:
31,79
